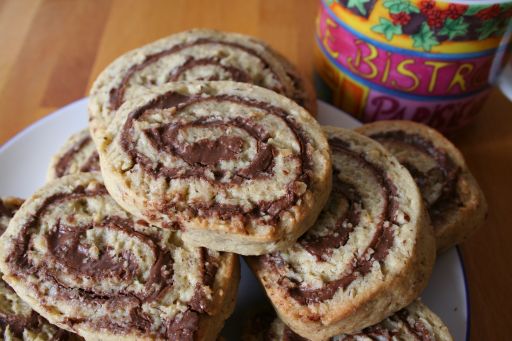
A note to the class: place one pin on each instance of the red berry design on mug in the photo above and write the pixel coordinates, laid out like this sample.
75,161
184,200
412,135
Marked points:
427,6
454,11
489,13
401,18
435,18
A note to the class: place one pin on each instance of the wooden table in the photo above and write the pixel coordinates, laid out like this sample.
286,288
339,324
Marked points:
52,50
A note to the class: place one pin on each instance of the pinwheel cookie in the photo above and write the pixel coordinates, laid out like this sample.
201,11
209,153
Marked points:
236,167
415,322
194,55
17,320
77,155
88,266
454,200
369,254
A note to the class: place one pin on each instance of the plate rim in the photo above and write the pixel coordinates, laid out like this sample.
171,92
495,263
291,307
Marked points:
60,111
466,292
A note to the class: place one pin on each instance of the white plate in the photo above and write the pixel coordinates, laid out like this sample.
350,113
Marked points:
505,81
24,159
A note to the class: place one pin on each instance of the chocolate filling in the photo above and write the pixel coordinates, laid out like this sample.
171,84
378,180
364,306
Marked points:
17,324
203,156
207,152
418,329
92,164
235,74
446,173
322,246
117,94
68,247
184,327
65,246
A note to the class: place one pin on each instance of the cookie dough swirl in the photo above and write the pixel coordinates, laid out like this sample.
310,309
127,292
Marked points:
341,273
416,322
77,155
195,55
453,198
89,267
217,158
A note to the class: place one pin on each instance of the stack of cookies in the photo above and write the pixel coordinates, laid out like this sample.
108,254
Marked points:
202,146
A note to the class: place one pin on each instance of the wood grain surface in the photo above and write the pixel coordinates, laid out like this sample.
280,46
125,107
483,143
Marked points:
52,50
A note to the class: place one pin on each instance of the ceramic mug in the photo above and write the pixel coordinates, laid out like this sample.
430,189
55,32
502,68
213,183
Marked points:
429,61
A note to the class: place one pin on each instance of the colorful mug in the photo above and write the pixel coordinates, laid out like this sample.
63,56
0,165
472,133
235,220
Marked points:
423,60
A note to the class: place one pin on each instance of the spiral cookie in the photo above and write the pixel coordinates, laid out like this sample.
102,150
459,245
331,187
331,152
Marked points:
236,167
77,155
369,254
87,266
454,200
17,320
194,55
414,323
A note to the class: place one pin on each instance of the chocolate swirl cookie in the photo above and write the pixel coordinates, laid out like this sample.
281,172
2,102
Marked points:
454,200
236,167
88,266
194,55
17,320
414,323
369,254
77,155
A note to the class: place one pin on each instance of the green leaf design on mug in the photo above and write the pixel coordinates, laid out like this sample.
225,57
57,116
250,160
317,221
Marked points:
489,27
359,4
474,9
387,28
505,7
397,6
454,28
425,38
